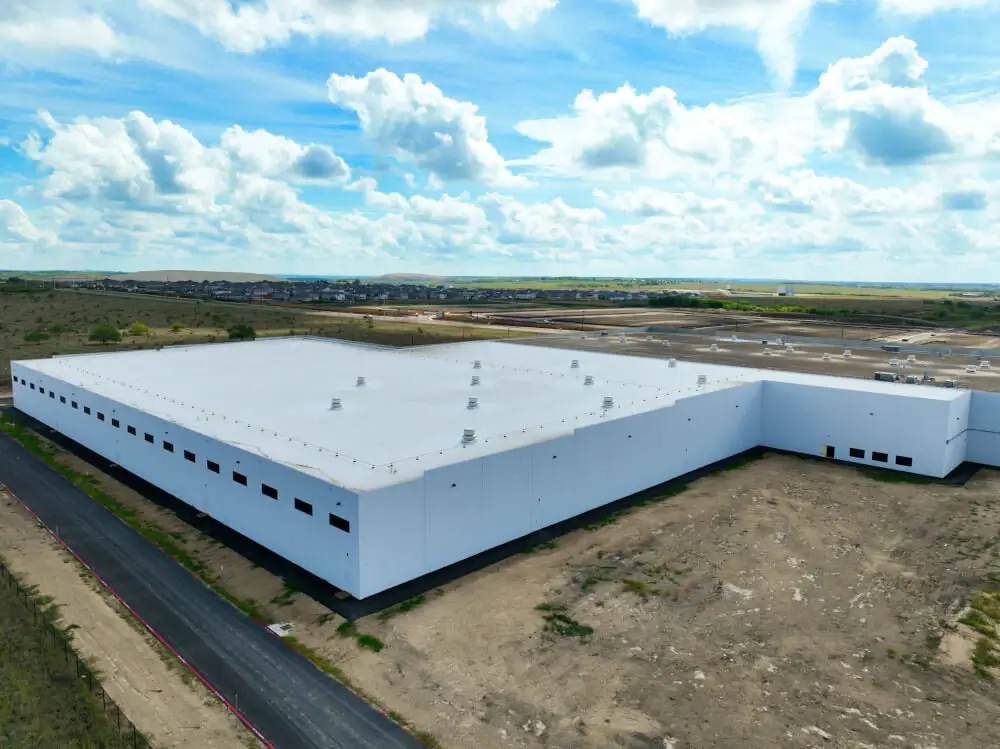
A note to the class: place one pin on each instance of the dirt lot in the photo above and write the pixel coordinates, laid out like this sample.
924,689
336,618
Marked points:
165,702
787,603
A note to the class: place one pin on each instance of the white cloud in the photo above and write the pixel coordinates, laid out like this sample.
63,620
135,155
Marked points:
775,22
253,26
16,227
927,7
55,25
414,121
650,201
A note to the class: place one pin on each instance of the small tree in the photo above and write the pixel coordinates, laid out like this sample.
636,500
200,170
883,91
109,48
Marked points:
177,327
138,328
104,334
242,332
36,336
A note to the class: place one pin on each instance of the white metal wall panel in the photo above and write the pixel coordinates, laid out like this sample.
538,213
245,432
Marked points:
453,503
805,418
983,443
393,532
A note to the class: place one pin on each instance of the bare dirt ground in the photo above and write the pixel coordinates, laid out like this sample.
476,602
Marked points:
788,603
168,705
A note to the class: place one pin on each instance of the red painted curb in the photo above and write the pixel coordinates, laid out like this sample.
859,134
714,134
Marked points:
143,622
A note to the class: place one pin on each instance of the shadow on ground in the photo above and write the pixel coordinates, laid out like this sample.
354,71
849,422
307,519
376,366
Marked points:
352,608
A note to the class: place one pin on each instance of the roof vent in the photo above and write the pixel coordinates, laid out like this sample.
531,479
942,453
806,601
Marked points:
361,382
608,402
475,380
588,380
847,353
714,347
335,404
671,363
473,403
468,436
477,364
702,379
575,364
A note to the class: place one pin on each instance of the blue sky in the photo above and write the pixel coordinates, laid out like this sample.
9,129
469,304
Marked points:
850,140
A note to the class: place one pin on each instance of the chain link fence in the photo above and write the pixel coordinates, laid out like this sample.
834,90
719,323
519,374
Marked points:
131,738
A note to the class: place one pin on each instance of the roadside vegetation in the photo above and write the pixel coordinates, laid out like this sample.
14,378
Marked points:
43,702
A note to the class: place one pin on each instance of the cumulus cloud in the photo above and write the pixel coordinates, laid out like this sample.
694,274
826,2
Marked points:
152,165
926,7
253,26
414,121
803,191
775,22
16,227
651,201
55,25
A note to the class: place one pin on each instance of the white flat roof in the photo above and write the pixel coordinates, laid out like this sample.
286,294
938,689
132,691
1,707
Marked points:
273,397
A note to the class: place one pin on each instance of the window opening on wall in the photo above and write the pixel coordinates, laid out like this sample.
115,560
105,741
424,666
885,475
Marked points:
149,438
305,507
268,491
131,430
62,398
189,456
880,457
52,394
168,446
86,409
857,452
41,390
340,523
32,386
75,404
100,416
902,460
831,451
115,423
212,466
239,478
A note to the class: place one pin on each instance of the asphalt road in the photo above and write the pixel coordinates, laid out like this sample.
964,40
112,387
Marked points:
291,702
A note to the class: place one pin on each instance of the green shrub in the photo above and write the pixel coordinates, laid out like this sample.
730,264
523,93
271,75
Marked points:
35,336
242,332
138,328
104,334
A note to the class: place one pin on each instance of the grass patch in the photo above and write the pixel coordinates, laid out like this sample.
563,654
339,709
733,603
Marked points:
370,642
286,596
544,546
558,622
984,657
401,608
980,622
43,702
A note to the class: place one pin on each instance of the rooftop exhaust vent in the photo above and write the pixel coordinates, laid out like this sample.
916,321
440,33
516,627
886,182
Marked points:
671,363
473,403
477,364
702,379
588,380
468,436
847,353
475,380
335,404
575,364
608,402
361,382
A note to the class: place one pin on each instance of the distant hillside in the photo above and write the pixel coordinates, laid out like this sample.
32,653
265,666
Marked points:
197,276
406,278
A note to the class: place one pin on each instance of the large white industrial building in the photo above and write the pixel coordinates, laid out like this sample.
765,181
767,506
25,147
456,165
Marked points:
370,467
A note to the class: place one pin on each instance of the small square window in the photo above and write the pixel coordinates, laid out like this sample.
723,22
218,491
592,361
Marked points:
880,457
62,398
86,409
902,460
131,430
338,522
149,438
100,416
32,386
52,394
168,446
239,478
115,423
212,466
189,456
268,491
75,404
305,507
41,390
857,452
